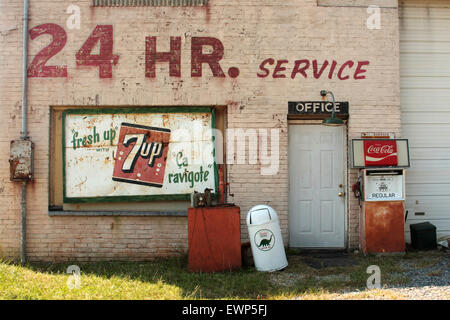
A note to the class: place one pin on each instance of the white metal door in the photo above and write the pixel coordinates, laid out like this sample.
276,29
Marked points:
425,105
316,179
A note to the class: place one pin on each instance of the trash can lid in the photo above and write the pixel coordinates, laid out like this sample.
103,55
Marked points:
422,226
261,214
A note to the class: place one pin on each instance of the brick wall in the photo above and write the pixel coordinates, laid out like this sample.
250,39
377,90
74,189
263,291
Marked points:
251,31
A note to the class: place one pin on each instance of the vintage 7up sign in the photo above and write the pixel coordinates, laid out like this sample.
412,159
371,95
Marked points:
137,154
141,155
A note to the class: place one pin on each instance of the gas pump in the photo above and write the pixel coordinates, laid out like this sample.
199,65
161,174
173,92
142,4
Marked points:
381,185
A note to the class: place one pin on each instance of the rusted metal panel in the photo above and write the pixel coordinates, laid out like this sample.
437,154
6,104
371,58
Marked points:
146,155
21,160
383,227
148,3
207,229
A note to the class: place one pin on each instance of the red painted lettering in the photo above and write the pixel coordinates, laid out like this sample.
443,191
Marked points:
37,67
298,69
333,66
105,59
279,68
173,57
212,59
349,64
316,73
359,70
263,69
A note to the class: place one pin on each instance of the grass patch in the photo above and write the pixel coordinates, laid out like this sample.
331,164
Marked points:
171,279
161,279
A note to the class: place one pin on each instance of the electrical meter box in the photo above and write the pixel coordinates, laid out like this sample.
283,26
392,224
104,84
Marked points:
383,185
21,160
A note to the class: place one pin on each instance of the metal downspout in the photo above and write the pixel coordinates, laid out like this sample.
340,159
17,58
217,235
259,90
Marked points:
23,133
23,237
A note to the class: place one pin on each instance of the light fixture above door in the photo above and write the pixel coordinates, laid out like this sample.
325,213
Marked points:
333,120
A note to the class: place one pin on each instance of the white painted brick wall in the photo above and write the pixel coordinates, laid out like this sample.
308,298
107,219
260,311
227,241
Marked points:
251,31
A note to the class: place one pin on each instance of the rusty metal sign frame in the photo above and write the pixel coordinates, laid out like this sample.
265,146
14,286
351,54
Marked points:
143,110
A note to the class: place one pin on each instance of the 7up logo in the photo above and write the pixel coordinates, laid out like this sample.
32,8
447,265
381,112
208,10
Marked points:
141,155
150,150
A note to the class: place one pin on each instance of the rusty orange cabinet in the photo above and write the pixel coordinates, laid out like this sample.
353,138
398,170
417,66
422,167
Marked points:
382,220
382,227
214,238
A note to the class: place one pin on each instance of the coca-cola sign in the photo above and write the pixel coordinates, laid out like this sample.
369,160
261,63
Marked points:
380,153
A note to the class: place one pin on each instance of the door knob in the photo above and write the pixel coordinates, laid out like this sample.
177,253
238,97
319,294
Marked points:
341,194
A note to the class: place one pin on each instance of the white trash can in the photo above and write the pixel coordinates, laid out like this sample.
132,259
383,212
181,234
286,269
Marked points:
265,239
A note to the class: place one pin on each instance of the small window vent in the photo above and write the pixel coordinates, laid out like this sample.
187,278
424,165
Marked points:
149,3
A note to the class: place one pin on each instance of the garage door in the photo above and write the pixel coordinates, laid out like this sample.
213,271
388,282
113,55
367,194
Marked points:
425,101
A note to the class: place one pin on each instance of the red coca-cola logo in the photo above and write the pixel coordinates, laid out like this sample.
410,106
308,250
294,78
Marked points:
384,149
380,153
